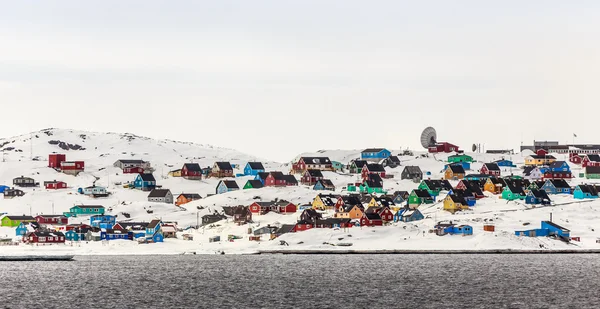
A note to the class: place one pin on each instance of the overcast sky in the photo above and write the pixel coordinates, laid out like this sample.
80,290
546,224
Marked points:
276,78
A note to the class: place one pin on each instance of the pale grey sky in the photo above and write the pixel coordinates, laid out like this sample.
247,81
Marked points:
276,78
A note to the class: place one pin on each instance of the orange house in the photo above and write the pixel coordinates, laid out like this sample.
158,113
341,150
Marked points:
185,198
350,212
454,172
494,185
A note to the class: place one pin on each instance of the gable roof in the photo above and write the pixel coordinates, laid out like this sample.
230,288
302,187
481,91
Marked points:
191,196
394,159
422,193
594,157
147,177
557,164
540,194
373,150
230,184
277,175
256,166
193,167
290,179
559,183
515,189
351,199
153,223
542,157
326,183
314,173
492,166
20,218
224,166
360,163
256,184
316,160
378,168
456,169
375,178
159,193
372,216
592,169
457,199
411,170
588,189
88,206
262,175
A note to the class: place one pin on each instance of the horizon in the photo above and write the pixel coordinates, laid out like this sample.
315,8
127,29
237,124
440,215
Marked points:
346,76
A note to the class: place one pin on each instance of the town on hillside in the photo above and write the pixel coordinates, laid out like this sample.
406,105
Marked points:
447,188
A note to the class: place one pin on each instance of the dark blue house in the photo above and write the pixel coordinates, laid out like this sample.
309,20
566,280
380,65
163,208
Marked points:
408,215
103,221
145,182
548,229
465,165
375,154
111,234
505,163
3,188
253,168
536,197
556,186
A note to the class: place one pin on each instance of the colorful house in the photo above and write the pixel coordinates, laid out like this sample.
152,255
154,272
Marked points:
310,177
114,234
533,172
548,229
371,186
465,194
590,160
592,172
350,212
144,182
371,219
175,173
465,165
55,185
375,154
253,184
324,184
373,169
556,186
52,219
191,171
538,160
454,203
337,166
585,192
253,168
458,158
434,187
536,197
472,186
511,193
185,198
225,186
505,163
450,228
418,197
82,210
44,237
154,232
454,172
324,201
400,197
22,229
312,163
222,170
491,169
103,221
408,215
356,166
494,185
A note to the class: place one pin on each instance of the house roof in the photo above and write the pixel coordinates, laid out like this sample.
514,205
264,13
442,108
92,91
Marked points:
316,160
277,175
116,231
375,177
360,163
132,161
378,168
285,228
515,189
327,183
159,193
528,169
88,206
374,183
262,175
256,184
51,216
457,199
373,150
193,167
46,234
411,170
588,189
256,166
314,173
153,223
192,196
456,169
372,216
147,177
20,218
542,157
557,164
352,199
290,179
225,166
28,178
422,193
497,181
555,225
403,194
231,184
241,210
594,157
592,169
559,183
133,225
492,166
540,194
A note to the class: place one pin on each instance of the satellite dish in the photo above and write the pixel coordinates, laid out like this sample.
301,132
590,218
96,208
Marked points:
474,147
428,137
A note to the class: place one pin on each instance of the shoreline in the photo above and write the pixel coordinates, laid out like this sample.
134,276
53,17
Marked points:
485,251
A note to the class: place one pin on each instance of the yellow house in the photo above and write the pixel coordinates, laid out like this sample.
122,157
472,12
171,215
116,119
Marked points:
535,160
453,203
454,172
353,213
494,185
383,201
175,173
324,201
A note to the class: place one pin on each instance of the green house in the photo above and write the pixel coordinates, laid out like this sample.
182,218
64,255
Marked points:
351,187
435,186
84,210
14,221
419,196
592,172
356,166
253,184
457,158
511,193
337,166
371,187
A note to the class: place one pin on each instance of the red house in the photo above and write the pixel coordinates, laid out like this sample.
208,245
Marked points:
44,238
133,170
77,226
386,214
371,219
55,185
311,177
352,199
575,158
260,208
312,163
191,171
52,219
284,207
557,175
443,147
72,167
370,169
490,169
275,179
590,160
55,159
303,226
541,152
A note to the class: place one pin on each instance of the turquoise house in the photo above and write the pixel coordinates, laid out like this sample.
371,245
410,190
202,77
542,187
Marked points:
154,232
21,229
84,210
337,166
585,192
225,186
71,235
511,193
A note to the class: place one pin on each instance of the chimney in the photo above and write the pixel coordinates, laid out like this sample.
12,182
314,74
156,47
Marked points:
550,217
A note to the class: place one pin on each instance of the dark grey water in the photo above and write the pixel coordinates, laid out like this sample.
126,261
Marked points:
305,281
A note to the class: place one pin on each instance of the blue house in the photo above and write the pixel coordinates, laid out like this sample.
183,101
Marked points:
477,177
505,163
536,197
261,176
71,235
103,221
556,186
21,229
462,230
400,197
559,166
585,192
324,184
154,232
450,228
548,229
465,165
145,182
225,186
466,194
253,168
111,234
3,188
375,154
408,215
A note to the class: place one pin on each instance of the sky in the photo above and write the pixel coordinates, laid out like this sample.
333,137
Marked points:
277,78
